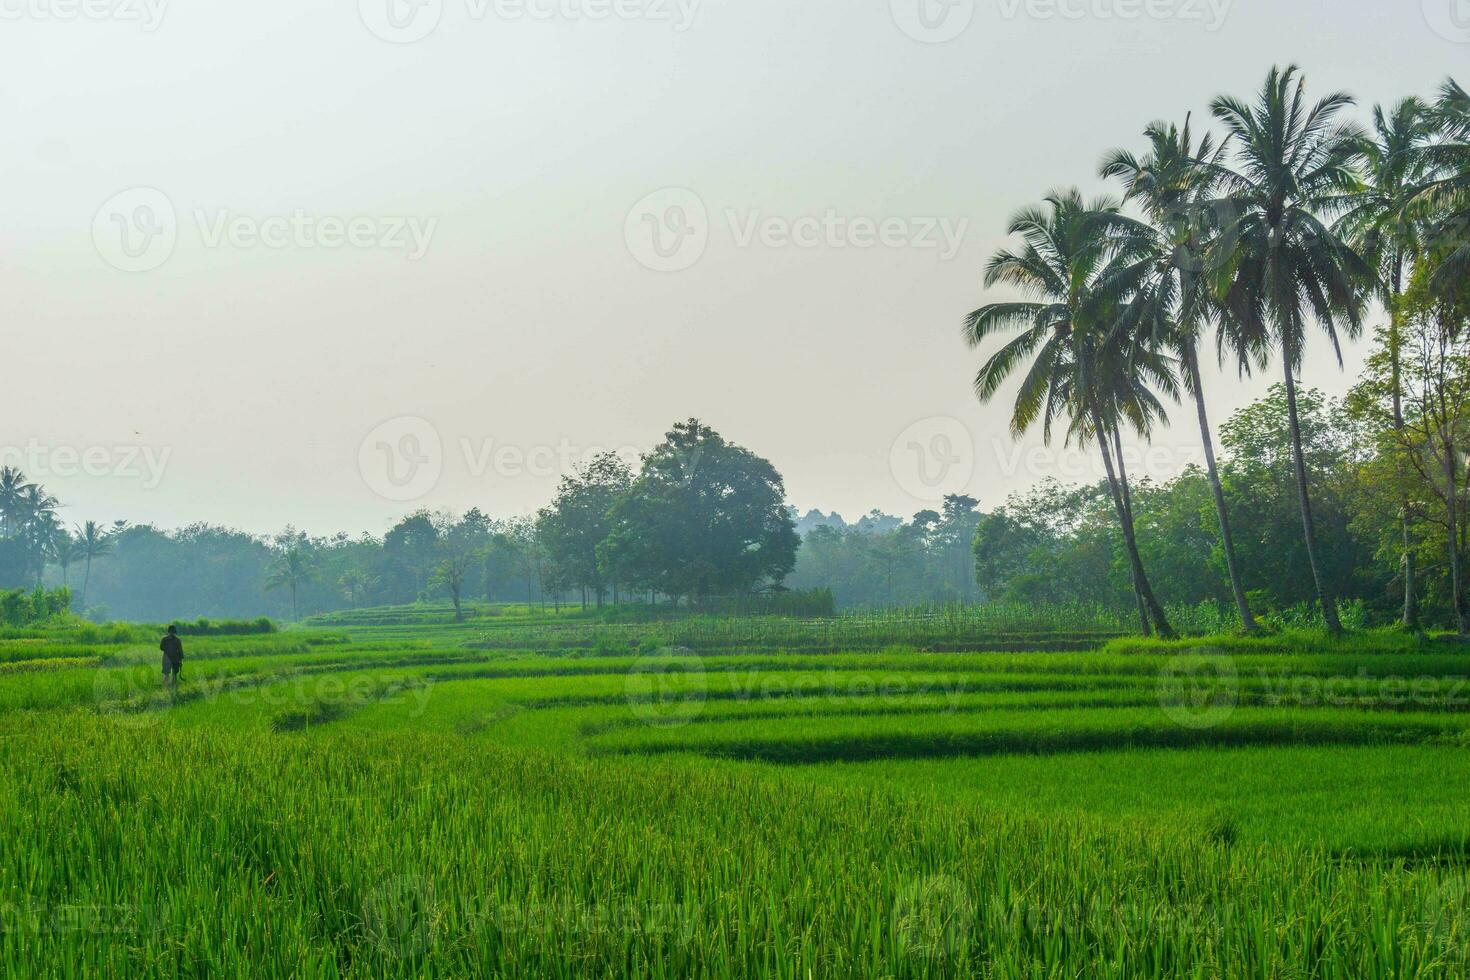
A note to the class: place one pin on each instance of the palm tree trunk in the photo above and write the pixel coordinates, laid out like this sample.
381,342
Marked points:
86,580
1227,540
1156,608
1127,509
1411,596
1309,525
1452,502
1130,542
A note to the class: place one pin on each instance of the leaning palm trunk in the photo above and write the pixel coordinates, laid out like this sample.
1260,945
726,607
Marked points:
1154,610
1227,540
1309,525
1127,516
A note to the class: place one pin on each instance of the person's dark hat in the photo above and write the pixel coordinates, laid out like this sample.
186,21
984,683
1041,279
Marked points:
173,629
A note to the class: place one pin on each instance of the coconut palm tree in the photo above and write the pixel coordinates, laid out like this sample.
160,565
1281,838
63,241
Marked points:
37,525
1281,264
293,567
13,485
1175,183
1385,221
1079,268
92,542
64,552
1449,193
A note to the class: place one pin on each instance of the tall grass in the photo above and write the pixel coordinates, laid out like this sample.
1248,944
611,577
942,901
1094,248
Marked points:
722,796
217,853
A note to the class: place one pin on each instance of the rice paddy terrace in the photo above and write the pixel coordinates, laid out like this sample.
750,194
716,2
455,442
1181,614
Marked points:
933,793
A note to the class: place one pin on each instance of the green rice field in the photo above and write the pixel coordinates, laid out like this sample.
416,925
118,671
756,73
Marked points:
926,794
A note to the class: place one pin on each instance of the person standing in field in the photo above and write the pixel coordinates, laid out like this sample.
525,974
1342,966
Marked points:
173,656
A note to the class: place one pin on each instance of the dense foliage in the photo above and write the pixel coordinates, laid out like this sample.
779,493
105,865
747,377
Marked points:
22,607
1289,226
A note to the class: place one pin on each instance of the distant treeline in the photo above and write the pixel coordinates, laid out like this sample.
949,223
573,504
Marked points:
1053,546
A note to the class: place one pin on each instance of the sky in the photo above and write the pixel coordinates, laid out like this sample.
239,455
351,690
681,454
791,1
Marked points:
325,262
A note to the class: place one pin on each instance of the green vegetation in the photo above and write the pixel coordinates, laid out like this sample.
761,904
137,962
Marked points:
392,795
20,607
660,762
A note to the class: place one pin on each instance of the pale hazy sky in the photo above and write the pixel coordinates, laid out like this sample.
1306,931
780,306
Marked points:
239,238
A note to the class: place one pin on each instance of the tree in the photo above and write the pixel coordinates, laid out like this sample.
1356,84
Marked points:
1385,222
529,554
1176,184
13,484
293,567
704,517
92,542
1259,473
38,528
461,550
1281,263
1080,265
952,540
63,552
1434,373
353,584
578,521
410,552
1448,195
450,574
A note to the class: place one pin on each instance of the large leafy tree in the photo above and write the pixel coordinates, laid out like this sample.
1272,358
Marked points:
1432,432
1259,473
1175,182
1282,265
704,518
579,520
410,553
1079,265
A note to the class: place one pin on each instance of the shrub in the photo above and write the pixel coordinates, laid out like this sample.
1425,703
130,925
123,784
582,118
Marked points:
227,627
19,607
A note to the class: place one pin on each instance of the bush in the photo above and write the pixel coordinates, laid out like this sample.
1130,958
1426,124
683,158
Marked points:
21,608
798,604
227,627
